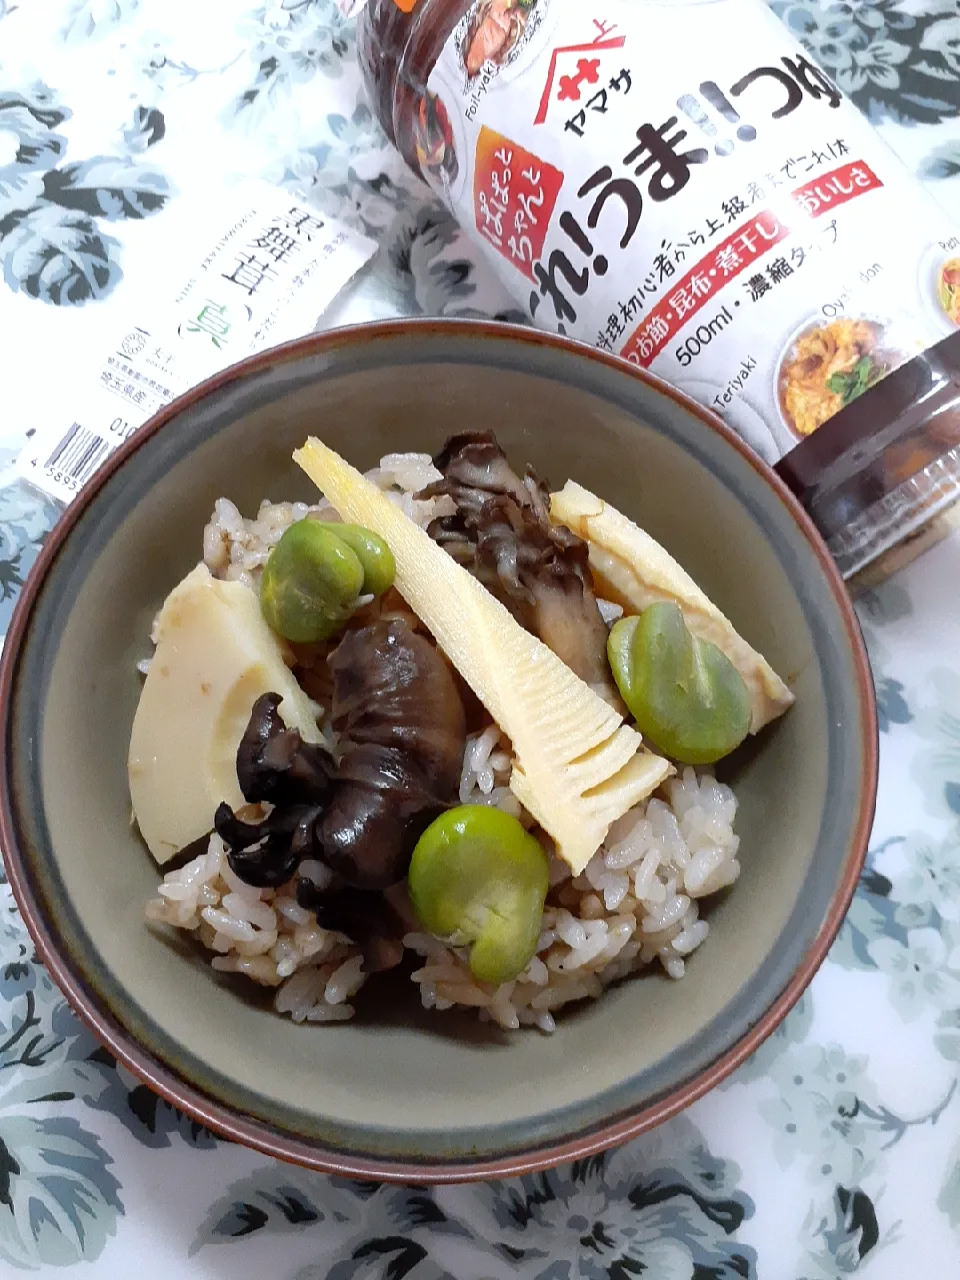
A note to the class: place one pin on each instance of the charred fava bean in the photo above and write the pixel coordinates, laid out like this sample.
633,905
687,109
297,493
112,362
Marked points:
479,878
686,696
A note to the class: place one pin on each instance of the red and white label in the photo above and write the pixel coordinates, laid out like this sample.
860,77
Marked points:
514,195
676,182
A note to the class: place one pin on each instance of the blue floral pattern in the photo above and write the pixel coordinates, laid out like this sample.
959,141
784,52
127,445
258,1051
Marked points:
289,44
52,247
812,1162
899,62
86,18
664,1205
937,765
894,62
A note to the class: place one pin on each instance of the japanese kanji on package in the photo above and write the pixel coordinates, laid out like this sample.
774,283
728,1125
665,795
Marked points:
240,270
676,182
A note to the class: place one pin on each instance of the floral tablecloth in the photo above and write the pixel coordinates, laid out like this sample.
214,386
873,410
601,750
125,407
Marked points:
836,1149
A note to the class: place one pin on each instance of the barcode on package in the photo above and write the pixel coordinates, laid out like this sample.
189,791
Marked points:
76,457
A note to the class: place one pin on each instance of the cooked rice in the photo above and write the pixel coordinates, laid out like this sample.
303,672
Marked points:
264,935
634,904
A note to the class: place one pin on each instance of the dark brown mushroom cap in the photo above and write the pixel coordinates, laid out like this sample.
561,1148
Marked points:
378,813
276,765
393,689
402,730
266,854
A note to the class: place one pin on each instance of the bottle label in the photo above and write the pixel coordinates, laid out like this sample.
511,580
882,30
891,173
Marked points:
676,182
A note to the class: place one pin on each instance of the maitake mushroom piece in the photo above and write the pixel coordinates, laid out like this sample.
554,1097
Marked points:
502,532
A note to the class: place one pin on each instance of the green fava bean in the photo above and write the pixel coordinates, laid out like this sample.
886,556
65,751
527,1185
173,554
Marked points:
373,553
685,694
310,584
477,876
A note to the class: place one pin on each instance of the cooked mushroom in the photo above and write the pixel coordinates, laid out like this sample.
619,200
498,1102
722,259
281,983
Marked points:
401,727
275,764
540,571
266,854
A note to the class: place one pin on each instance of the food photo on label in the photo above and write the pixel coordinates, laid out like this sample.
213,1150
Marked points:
940,283
683,214
948,289
492,32
829,364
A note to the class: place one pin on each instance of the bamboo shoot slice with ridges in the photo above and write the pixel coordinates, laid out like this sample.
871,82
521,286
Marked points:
634,570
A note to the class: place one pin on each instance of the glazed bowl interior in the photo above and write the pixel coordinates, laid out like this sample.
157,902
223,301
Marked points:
399,1091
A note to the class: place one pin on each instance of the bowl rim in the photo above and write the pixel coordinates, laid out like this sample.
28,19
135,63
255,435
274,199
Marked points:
261,1135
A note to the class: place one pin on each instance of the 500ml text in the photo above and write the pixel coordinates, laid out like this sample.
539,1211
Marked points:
702,336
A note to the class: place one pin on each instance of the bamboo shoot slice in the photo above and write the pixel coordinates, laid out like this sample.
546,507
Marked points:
636,571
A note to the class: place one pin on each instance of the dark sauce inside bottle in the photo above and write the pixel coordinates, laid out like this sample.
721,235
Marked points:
881,442
397,52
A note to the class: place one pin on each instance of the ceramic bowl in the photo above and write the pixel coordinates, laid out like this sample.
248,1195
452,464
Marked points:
400,1093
